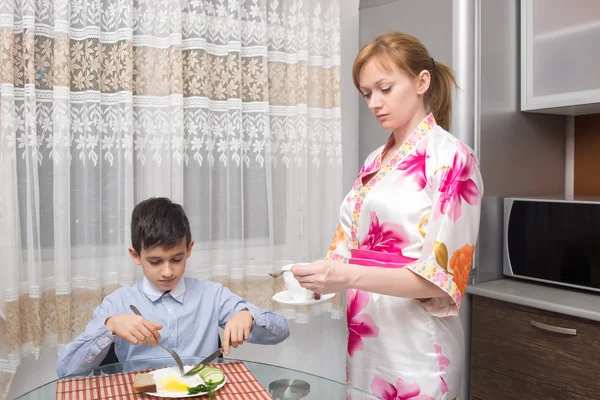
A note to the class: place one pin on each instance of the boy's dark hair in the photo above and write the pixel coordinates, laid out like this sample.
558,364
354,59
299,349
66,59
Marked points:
158,221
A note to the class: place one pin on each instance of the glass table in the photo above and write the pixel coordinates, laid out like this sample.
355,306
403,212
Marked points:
282,383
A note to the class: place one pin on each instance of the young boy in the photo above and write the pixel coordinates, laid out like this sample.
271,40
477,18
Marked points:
183,314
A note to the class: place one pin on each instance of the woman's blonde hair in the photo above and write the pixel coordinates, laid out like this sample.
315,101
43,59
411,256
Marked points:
410,55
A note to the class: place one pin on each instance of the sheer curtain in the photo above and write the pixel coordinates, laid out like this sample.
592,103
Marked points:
229,107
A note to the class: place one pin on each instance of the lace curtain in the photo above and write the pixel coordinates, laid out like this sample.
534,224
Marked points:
229,107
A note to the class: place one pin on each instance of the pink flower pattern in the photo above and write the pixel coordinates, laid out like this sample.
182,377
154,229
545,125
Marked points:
402,391
456,185
386,238
414,166
367,169
359,324
443,362
382,246
441,279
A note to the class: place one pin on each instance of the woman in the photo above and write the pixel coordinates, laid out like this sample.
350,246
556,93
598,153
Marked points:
404,247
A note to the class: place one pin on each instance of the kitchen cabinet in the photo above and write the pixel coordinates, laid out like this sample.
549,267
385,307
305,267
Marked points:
560,56
519,352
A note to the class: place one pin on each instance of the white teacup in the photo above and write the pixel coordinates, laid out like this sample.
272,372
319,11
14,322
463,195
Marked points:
296,291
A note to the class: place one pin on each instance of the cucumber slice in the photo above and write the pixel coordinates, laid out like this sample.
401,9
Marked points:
208,370
215,380
195,370
204,373
212,375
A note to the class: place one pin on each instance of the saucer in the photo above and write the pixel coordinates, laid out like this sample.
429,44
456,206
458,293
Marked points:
285,298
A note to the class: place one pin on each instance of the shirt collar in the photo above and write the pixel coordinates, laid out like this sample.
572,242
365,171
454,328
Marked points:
154,294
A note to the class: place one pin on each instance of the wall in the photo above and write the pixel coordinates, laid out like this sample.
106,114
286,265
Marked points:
322,337
587,155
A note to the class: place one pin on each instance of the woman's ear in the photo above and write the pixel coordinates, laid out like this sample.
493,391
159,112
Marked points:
423,81
135,256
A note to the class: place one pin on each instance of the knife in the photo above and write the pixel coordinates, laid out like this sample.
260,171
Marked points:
198,367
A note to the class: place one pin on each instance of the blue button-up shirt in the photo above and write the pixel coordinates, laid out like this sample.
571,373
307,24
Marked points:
190,315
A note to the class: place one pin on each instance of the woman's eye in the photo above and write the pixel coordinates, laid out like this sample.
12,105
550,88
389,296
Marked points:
386,89
366,95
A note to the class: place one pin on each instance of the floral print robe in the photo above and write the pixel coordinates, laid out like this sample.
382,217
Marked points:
421,212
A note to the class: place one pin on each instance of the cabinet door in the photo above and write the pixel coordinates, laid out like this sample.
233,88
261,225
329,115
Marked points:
560,56
524,353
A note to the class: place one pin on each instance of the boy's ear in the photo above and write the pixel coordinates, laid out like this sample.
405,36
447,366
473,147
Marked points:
189,249
135,256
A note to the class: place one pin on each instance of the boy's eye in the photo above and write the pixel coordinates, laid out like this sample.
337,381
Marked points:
177,260
154,262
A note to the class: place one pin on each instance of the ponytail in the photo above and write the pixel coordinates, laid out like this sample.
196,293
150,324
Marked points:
439,95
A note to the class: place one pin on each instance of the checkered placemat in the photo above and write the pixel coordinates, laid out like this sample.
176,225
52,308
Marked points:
241,385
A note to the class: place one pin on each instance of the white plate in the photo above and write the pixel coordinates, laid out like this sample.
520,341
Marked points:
285,298
194,380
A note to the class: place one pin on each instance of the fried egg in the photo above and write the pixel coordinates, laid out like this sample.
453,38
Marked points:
169,380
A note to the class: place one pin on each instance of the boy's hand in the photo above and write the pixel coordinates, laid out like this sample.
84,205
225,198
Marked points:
237,330
134,329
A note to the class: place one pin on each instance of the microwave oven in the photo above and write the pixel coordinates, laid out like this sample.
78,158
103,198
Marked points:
553,240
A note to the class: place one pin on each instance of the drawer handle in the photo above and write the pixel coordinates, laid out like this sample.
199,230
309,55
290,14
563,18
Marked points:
552,328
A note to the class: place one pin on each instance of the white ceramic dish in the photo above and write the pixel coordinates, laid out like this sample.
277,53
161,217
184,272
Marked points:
284,297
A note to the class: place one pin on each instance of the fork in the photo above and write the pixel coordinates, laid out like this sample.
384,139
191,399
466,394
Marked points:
172,352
